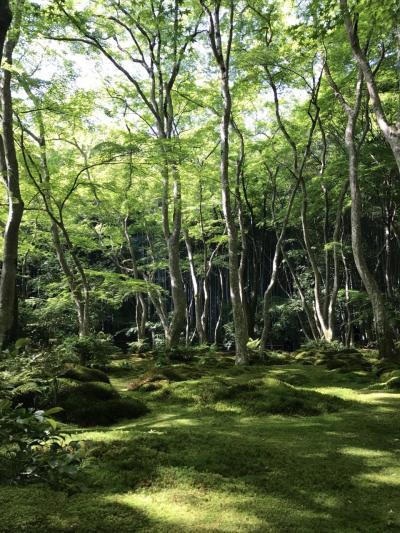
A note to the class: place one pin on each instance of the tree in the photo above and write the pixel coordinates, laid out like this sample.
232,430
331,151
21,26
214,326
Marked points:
391,131
10,173
222,58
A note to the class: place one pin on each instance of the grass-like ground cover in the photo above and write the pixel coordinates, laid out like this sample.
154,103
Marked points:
216,453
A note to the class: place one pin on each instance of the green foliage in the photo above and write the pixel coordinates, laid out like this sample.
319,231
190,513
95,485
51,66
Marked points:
139,346
114,288
34,449
93,350
322,344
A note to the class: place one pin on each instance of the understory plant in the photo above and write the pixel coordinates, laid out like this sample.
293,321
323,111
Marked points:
32,447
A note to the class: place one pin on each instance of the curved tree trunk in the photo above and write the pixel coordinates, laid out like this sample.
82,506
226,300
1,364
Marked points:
384,332
391,132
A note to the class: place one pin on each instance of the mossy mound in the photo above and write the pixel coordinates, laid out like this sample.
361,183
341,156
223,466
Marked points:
346,360
106,412
257,396
273,396
391,385
82,373
277,358
386,376
216,361
158,377
96,390
382,368
95,403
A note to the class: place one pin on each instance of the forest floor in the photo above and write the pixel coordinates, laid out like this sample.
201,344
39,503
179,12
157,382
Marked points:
208,458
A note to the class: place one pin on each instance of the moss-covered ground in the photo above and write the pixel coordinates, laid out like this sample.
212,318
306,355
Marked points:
284,448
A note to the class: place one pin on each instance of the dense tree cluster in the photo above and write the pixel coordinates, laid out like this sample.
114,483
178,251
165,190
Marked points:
201,171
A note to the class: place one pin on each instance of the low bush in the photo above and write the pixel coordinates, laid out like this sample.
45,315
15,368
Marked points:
29,394
92,350
33,448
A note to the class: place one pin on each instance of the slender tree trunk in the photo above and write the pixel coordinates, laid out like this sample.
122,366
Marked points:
325,330
172,238
306,307
198,309
141,304
384,332
335,285
221,301
275,266
223,60
10,171
75,277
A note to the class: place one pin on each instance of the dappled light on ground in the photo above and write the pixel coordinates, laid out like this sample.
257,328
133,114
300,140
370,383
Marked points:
202,461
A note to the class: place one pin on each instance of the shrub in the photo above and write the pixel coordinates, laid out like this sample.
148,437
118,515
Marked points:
92,350
35,449
139,346
29,394
321,344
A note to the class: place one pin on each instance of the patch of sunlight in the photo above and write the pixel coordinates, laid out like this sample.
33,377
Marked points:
107,435
364,452
386,476
197,509
361,396
345,394
327,500
223,407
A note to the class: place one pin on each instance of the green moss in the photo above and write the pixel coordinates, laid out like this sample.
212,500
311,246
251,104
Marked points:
390,374
107,412
211,467
155,378
393,383
92,390
82,373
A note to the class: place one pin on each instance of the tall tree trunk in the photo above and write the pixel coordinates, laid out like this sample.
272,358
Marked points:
384,332
223,60
10,172
141,304
177,325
